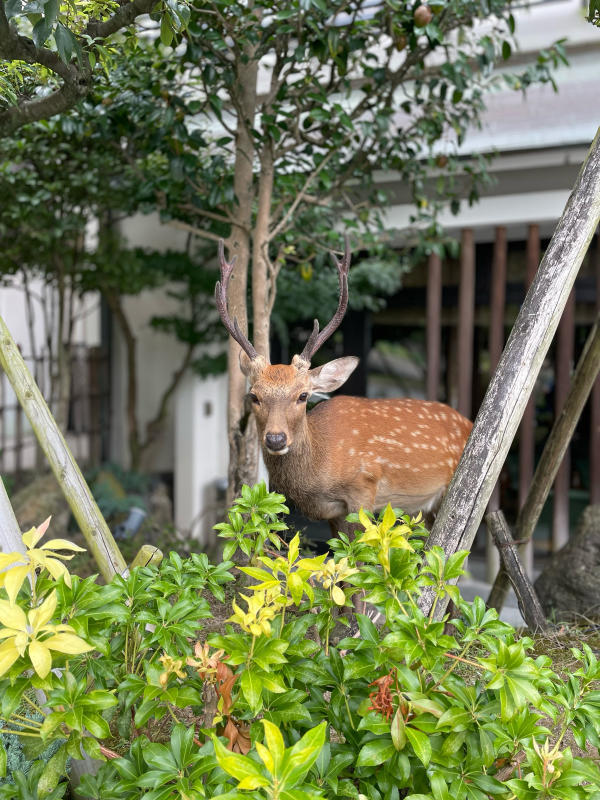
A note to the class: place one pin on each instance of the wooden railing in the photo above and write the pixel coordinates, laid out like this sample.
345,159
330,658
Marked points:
498,326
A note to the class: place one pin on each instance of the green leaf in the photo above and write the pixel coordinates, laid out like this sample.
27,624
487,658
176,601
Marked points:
252,686
238,766
53,772
300,758
398,731
375,752
375,723
420,744
368,631
65,42
274,743
41,31
166,31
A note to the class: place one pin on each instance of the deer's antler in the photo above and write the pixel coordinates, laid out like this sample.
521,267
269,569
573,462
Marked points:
316,338
221,301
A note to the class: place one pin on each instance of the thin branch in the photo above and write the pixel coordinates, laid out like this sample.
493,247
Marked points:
185,226
227,218
300,196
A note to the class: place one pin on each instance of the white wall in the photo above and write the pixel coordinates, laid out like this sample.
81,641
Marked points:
201,452
194,443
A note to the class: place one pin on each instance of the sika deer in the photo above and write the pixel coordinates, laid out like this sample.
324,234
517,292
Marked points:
348,452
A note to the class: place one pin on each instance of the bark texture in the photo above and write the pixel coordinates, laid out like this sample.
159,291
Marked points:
569,586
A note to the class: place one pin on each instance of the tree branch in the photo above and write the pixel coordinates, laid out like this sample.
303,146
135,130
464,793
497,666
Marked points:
123,17
76,77
185,226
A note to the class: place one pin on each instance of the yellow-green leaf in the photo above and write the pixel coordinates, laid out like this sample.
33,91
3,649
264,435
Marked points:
68,643
364,519
40,658
235,764
6,559
253,782
296,587
33,535
13,580
57,569
40,616
293,549
8,655
265,757
12,616
339,598
275,743
389,519
62,544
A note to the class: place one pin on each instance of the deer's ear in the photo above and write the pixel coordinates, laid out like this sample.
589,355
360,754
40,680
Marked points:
332,375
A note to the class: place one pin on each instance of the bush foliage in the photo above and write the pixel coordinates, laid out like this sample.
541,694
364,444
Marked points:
280,700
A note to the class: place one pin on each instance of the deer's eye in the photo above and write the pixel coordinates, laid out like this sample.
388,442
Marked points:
303,397
254,398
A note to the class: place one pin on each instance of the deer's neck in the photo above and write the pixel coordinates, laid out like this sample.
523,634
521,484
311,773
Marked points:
293,474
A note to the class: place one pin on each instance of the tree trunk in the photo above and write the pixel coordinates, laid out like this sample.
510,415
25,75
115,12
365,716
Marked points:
262,291
505,400
62,381
116,306
243,449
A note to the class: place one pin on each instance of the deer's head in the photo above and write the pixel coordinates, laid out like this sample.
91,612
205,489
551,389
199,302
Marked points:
279,392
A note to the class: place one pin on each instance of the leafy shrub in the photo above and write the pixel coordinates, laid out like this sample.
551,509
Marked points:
117,490
270,702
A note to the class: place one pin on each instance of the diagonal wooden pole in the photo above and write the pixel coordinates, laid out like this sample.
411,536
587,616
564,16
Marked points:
10,533
511,385
555,448
85,510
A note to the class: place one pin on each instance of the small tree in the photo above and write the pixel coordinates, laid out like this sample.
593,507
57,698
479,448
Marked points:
300,106
64,174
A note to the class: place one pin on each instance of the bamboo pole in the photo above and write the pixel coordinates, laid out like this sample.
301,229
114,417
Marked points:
77,493
504,403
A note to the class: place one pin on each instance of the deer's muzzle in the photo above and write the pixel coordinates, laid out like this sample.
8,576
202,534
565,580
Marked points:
276,442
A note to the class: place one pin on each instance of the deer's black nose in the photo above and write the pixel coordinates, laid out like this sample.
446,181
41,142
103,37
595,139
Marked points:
276,441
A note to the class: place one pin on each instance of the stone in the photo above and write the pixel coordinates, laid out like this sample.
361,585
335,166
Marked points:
570,583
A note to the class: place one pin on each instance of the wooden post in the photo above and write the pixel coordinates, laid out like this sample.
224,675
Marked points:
561,434
147,554
10,533
595,405
503,405
496,344
562,372
91,522
528,600
527,427
556,445
434,324
466,318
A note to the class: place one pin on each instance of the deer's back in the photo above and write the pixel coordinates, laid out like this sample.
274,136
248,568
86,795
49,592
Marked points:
409,448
